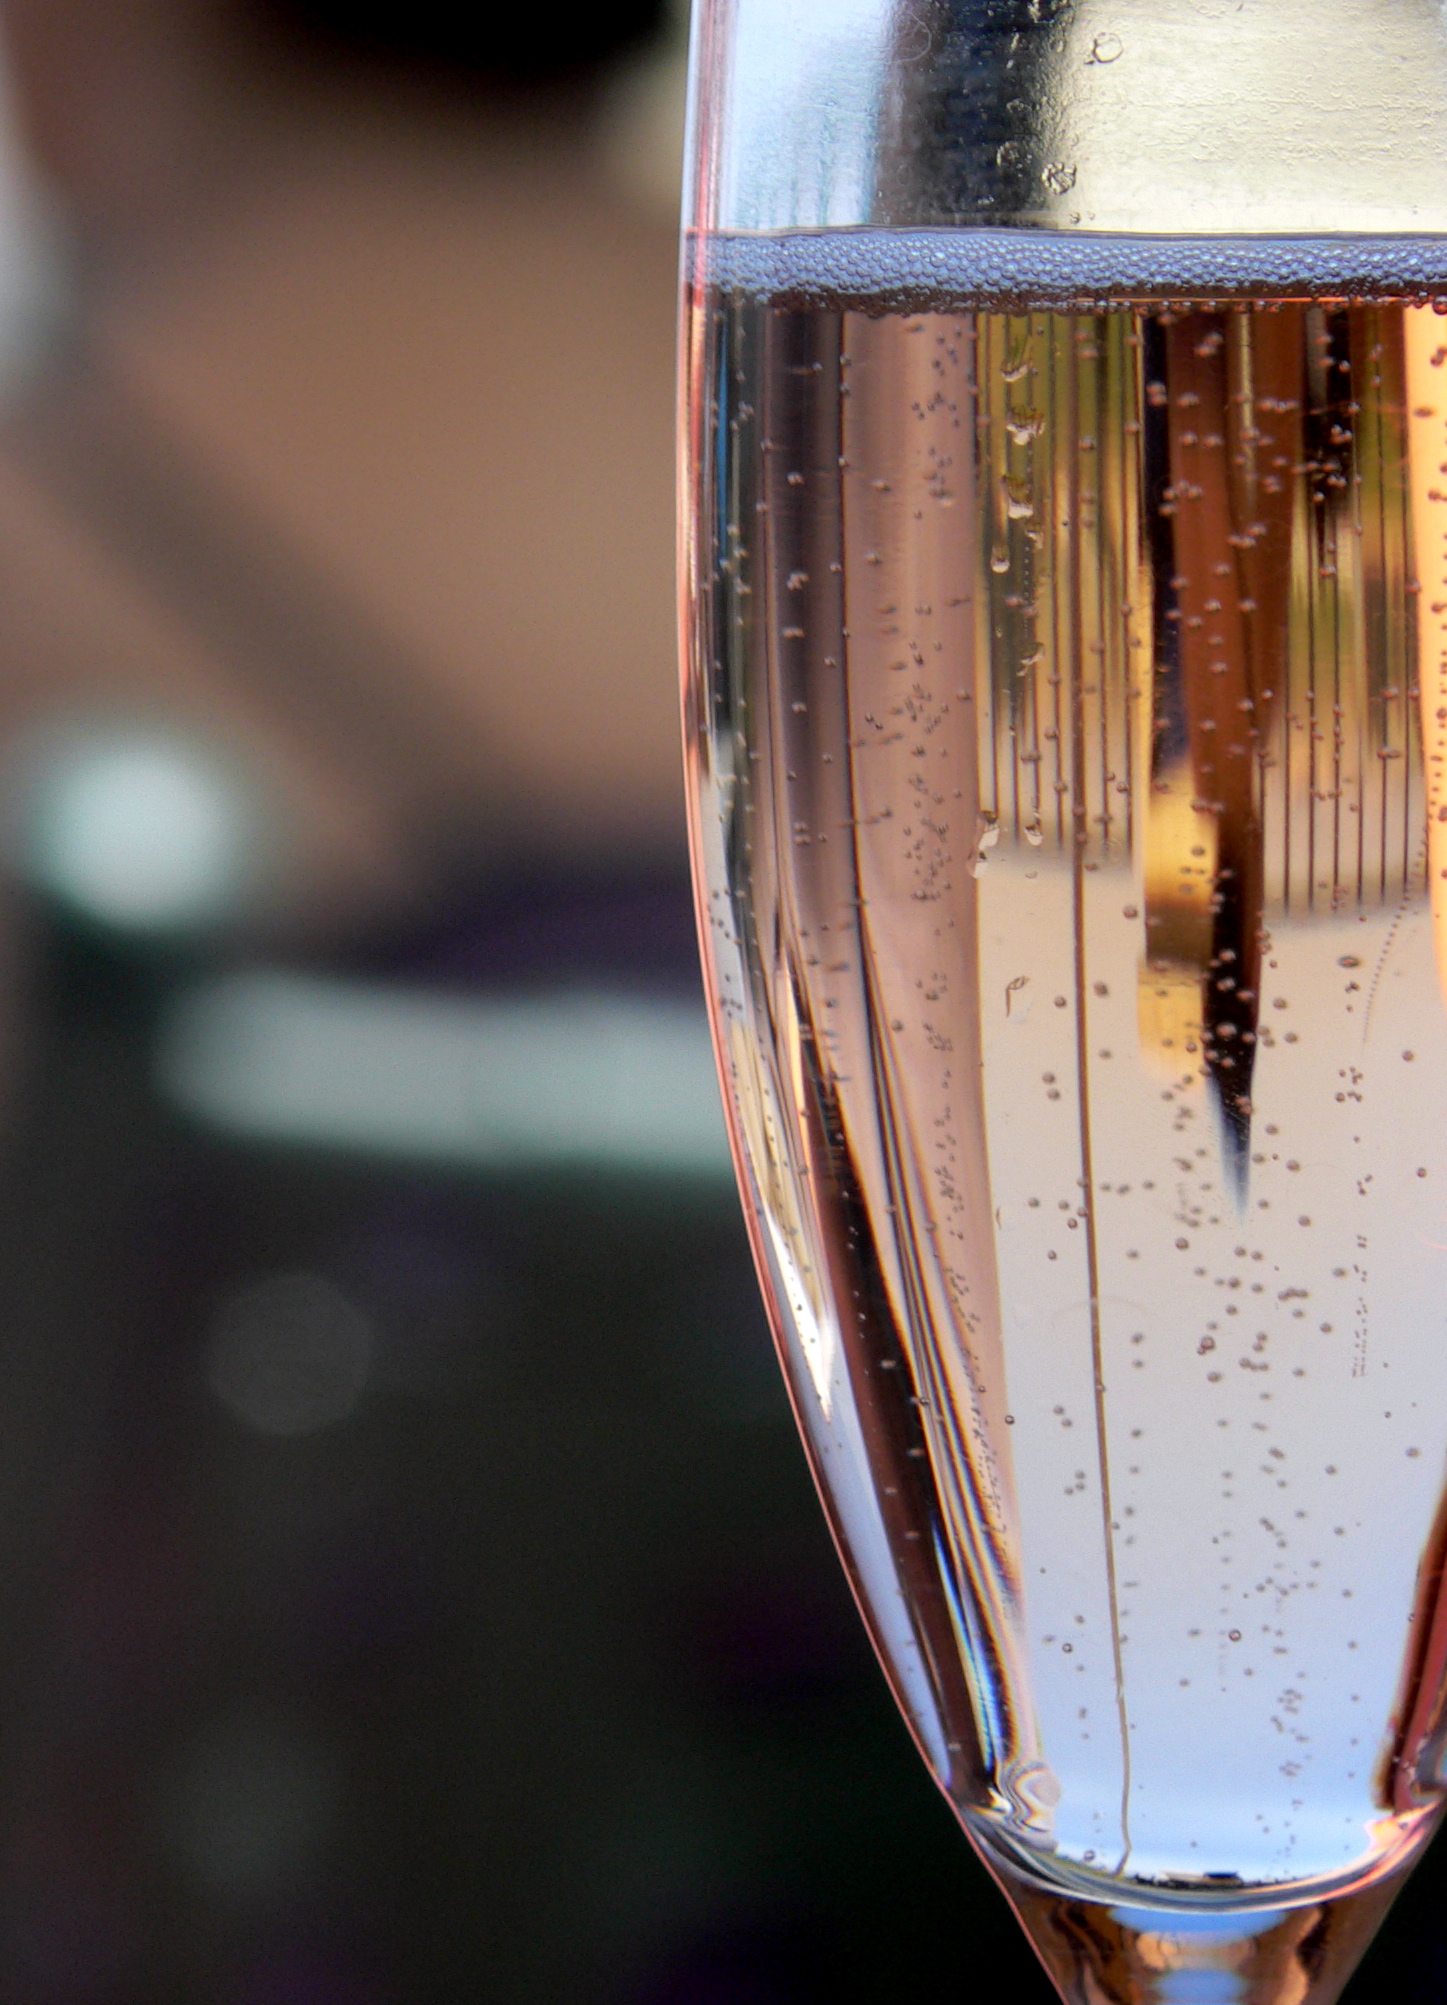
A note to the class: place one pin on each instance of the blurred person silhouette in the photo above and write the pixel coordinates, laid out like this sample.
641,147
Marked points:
356,447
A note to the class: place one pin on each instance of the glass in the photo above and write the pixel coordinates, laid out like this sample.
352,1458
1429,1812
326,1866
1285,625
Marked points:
1065,554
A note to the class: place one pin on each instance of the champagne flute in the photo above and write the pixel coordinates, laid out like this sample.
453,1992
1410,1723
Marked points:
1065,553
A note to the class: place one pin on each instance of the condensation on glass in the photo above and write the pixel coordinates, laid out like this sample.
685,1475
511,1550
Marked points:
1220,117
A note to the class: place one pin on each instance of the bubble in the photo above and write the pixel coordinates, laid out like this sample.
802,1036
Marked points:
994,260
999,560
1234,1634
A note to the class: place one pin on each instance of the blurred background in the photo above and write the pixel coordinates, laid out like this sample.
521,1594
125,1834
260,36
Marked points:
410,1586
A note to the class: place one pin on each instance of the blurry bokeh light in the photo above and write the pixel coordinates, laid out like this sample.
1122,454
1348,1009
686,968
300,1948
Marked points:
138,830
290,1355
614,1081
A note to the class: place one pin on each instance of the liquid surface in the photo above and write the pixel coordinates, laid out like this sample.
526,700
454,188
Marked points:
1067,721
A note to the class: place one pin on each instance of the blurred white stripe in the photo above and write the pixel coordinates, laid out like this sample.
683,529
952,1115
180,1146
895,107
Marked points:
605,1080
